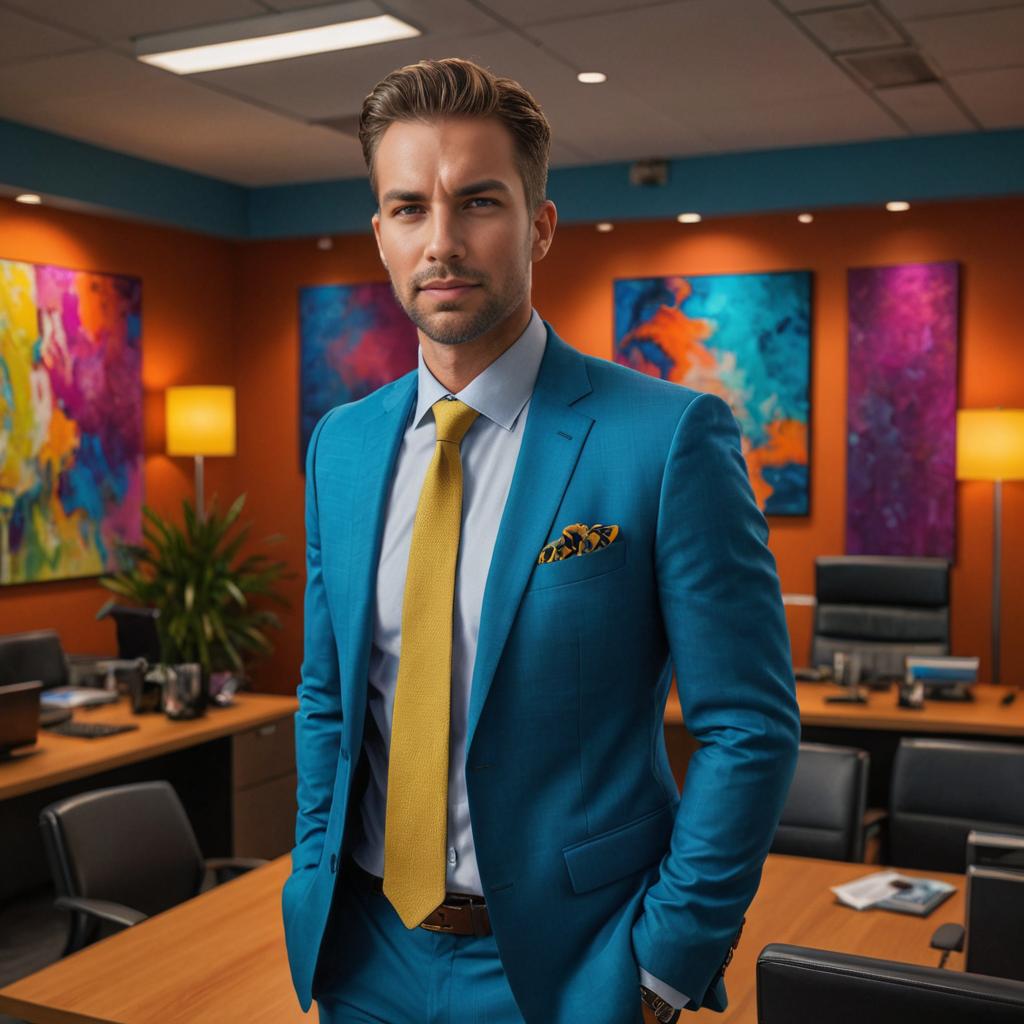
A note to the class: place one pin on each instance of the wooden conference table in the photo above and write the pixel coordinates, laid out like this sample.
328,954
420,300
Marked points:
984,716
221,958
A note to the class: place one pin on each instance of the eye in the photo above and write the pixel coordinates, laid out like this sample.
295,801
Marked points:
483,199
401,208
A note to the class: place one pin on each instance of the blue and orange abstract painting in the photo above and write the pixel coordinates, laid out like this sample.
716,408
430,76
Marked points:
745,338
901,410
354,338
70,421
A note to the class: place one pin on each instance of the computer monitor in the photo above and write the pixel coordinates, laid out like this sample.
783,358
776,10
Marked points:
998,850
19,715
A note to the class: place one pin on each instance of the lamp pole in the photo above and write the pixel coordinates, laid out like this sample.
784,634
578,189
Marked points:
200,513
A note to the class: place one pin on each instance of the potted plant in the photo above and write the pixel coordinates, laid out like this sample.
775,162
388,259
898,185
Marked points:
203,591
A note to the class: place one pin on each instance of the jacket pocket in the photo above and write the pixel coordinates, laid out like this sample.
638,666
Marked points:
621,851
579,567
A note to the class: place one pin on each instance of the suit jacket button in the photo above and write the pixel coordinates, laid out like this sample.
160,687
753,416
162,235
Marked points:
334,863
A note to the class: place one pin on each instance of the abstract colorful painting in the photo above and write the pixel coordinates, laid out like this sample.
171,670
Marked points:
70,421
354,338
744,337
901,410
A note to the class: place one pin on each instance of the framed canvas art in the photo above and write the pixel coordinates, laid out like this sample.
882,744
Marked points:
746,338
353,339
901,409
70,420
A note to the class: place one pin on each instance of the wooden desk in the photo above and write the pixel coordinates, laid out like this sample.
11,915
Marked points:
234,770
984,716
221,957
56,759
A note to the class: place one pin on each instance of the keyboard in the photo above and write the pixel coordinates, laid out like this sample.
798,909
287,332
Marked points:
88,730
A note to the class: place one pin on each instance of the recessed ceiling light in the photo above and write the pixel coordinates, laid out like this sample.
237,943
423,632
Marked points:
897,206
29,199
805,218
592,77
271,37
605,226
325,243
688,218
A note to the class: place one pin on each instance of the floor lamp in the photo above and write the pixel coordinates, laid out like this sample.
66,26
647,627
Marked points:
990,446
200,422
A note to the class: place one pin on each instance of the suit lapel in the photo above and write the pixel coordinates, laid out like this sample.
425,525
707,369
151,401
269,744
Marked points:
381,441
552,441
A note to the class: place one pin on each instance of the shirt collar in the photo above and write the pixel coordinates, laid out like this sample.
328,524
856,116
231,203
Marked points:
502,390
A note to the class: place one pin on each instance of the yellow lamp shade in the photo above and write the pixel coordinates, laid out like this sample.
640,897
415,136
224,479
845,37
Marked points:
201,421
990,444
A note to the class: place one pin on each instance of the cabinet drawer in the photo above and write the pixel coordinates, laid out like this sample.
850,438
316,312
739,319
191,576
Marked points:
264,753
264,818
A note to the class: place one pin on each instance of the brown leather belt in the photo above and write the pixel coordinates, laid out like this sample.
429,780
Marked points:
460,913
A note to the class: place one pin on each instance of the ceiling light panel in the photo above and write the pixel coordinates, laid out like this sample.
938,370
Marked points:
272,37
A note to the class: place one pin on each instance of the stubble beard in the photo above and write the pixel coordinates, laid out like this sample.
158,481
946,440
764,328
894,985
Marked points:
444,329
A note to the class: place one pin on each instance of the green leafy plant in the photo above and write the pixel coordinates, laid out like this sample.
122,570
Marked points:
204,595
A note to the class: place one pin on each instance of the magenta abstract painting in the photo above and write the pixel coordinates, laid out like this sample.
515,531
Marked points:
353,339
901,410
70,421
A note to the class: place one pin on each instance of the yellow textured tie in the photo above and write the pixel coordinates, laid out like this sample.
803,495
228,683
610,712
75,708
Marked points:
416,822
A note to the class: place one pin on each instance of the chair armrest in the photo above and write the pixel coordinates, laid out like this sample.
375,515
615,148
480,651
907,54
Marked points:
226,868
104,910
950,939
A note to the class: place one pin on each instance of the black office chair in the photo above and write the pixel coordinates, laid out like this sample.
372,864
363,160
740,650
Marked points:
122,854
881,606
34,656
137,635
807,986
824,812
942,789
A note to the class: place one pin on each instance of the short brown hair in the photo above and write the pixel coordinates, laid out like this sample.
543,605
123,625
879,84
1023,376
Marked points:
453,87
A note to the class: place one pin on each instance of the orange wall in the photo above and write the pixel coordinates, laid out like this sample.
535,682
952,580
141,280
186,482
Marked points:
188,290
215,312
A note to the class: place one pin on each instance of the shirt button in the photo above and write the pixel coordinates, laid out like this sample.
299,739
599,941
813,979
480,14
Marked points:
451,855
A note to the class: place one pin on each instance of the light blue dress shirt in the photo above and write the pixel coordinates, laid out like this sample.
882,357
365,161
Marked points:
489,450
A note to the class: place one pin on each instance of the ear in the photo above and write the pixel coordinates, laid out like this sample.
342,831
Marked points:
543,229
375,221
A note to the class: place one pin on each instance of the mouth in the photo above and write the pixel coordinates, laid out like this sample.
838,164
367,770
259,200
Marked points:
443,291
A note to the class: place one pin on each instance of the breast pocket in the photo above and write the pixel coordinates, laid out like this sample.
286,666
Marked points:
579,567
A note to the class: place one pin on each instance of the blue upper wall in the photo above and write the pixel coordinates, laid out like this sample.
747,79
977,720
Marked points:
975,165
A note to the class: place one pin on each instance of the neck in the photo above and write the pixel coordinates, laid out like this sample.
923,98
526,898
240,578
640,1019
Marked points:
455,366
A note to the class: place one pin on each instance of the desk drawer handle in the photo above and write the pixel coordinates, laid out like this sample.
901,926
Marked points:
267,730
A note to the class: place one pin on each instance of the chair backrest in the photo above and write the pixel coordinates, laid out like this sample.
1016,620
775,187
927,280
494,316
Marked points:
129,844
807,986
882,606
995,922
942,789
38,655
824,811
137,635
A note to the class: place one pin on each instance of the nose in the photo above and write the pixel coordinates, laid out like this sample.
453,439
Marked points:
445,243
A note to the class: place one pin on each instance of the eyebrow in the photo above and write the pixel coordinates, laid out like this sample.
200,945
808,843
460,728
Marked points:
487,185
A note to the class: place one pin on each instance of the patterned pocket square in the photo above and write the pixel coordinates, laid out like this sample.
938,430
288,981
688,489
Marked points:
577,539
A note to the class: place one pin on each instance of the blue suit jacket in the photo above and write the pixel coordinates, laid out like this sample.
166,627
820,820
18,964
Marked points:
590,861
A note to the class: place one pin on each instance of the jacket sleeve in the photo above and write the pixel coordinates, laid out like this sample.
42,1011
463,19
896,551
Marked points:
722,609
318,720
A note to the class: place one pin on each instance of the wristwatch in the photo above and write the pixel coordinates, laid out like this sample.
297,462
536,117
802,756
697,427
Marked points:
664,1012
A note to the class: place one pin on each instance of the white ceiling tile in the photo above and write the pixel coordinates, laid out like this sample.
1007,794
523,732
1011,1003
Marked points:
809,121
932,8
683,58
926,109
996,98
971,42
23,38
442,16
86,73
120,19
852,28
535,12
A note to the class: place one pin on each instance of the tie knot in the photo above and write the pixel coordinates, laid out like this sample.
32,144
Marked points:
452,419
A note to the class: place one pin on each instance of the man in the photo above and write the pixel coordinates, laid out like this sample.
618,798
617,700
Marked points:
508,550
